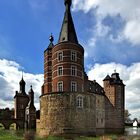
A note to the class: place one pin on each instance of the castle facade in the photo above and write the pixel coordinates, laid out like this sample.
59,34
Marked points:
70,103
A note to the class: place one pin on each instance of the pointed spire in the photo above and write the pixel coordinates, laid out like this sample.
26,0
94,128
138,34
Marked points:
31,96
22,85
68,32
31,89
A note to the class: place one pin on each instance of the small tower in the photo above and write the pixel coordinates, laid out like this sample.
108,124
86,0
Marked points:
30,112
115,91
47,86
21,100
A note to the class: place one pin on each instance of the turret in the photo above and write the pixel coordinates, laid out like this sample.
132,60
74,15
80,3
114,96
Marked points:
30,112
22,86
114,89
21,100
47,86
31,96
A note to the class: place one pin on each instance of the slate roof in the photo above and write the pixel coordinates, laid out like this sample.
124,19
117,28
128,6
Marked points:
68,32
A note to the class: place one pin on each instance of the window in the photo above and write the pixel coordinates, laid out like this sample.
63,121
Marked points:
73,86
73,56
73,70
79,102
60,56
60,70
60,86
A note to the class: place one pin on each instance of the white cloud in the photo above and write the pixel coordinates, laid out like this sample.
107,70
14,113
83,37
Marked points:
132,31
130,76
10,75
128,10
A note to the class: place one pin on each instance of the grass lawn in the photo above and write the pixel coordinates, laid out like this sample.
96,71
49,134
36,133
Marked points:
18,135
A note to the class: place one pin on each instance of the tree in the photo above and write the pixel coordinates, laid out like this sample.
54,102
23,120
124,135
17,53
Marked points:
127,116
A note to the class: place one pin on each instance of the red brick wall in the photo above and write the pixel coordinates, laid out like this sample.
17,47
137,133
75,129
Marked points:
51,64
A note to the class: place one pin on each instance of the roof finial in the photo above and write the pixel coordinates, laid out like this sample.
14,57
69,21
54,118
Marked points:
51,38
22,74
115,71
68,2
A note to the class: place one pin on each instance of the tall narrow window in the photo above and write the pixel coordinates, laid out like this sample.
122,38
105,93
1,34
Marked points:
79,102
60,86
73,70
60,56
73,56
73,86
60,70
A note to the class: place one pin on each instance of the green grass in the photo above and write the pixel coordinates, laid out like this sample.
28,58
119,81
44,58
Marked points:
19,135
9,135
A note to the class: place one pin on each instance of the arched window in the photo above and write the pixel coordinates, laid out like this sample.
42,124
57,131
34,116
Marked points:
60,86
79,102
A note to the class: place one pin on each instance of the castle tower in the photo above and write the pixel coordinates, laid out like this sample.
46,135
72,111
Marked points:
64,103
115,91
64,62
30,112
21,100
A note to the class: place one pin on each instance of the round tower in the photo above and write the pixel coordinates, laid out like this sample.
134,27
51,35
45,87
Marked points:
63,79
67,67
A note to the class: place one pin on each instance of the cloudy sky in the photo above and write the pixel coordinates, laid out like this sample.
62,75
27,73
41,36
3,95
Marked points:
108,30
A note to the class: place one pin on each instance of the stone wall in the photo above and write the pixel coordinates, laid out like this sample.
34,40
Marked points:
113,117
60,114
100,111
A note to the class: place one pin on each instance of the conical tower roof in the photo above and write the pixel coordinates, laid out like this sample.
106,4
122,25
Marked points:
68,32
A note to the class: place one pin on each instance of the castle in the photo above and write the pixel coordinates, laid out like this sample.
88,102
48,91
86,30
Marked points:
70,103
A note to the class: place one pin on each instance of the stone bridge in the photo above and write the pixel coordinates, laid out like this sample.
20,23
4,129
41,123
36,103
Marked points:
7,122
